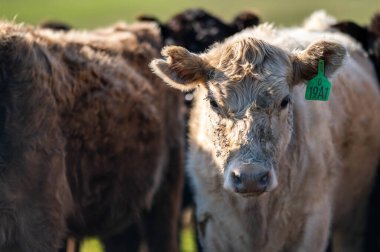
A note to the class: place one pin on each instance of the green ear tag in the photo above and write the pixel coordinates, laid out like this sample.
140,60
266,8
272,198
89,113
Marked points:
319,87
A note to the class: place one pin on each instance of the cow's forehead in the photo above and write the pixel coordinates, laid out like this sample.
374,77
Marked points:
248,58
238,96
239,56
269,81
248,71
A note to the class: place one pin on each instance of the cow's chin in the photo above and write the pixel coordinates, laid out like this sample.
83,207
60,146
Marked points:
251,195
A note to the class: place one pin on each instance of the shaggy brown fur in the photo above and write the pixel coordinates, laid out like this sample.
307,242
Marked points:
89,137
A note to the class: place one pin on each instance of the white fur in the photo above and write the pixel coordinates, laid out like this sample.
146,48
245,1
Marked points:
319,185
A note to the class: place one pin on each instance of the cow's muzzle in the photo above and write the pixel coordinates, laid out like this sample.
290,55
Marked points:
251,180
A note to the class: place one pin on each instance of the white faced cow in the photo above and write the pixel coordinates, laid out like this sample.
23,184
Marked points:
272,171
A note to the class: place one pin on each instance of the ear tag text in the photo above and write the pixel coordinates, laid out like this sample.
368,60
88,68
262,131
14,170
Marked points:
318,88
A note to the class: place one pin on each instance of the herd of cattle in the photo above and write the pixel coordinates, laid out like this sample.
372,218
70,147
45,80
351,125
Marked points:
94,136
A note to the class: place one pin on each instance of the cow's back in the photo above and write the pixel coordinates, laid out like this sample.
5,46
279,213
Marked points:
117,128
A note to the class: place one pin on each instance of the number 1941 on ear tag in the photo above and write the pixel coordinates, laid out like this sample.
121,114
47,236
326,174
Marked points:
319,87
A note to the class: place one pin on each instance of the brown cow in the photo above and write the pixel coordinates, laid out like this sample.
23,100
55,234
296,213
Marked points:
272,171
90,139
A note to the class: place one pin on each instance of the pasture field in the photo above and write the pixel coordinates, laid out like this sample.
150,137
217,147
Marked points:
187,242
93,13
88,14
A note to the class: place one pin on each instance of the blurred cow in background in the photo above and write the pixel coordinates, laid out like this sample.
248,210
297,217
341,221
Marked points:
196,29
91,142
55,25
367,36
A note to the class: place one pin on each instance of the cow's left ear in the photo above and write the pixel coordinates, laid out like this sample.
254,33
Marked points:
305,63
181,69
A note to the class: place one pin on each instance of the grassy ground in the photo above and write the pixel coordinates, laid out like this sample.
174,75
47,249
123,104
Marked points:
92,13
187,242
91,245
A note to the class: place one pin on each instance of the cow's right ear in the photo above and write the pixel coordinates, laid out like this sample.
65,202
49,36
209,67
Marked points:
180,69
305,63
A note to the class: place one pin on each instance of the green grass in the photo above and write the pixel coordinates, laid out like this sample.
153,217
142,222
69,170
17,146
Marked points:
93,13
91,245
187,242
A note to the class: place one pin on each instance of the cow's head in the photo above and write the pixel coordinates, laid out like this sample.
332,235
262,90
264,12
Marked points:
244,93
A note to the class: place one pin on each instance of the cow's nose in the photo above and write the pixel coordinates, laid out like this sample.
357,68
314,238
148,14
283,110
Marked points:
250,182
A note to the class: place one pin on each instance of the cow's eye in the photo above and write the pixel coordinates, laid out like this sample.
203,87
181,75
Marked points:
285,102
213,103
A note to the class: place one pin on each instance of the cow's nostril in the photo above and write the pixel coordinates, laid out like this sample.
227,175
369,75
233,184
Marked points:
236,178
264,179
